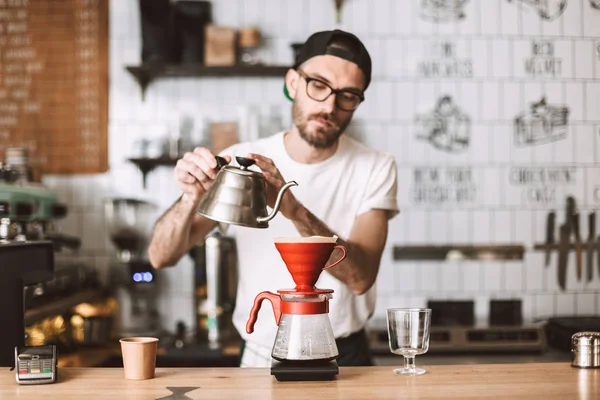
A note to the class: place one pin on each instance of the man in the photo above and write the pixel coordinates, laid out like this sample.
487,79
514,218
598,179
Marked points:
344,189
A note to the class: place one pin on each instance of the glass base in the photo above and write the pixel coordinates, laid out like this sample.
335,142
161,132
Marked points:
409,371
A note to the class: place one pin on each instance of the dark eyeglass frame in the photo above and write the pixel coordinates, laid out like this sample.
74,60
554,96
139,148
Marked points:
308,79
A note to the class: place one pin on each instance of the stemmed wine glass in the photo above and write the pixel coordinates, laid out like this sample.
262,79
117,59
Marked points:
408,333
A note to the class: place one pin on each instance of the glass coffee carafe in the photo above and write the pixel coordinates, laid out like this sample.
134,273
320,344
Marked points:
304,336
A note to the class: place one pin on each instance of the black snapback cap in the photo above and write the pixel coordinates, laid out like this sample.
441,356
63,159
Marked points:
318,44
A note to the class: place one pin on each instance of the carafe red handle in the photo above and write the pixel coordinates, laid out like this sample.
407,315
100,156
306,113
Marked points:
275,300
340,260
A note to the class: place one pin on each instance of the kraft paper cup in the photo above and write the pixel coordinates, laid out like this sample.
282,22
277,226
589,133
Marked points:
139,357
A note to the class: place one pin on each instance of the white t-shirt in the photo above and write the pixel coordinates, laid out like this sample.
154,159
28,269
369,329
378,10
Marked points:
354,180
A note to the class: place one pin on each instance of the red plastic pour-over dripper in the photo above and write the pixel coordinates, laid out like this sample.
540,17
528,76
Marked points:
306,260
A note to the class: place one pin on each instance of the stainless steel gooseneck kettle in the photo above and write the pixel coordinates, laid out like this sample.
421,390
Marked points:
238,196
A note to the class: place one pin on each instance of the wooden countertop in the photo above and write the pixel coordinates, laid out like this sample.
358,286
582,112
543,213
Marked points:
502,381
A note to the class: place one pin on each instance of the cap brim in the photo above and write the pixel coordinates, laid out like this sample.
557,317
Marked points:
286,93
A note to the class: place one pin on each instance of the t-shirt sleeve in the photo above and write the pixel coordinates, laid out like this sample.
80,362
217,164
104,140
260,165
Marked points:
382,188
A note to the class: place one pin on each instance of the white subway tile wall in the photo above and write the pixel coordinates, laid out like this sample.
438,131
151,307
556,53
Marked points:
495,60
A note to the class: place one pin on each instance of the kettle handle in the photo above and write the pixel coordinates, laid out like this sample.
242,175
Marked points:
275,300
342,248
221,162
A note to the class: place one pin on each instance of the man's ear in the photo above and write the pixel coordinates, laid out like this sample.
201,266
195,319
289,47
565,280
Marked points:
291,81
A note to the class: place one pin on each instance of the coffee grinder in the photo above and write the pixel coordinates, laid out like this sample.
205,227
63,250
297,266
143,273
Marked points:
304,348
131,274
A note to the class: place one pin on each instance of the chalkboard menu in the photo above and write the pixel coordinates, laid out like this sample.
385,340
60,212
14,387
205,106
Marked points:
54,83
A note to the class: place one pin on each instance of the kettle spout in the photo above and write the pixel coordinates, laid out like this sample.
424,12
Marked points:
277,202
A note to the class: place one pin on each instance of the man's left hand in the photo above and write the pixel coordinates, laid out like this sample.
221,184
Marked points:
289,205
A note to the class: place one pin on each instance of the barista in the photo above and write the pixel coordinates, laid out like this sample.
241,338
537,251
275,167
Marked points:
344,189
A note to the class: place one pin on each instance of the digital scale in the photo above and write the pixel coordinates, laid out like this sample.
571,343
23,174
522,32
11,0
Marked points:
35,365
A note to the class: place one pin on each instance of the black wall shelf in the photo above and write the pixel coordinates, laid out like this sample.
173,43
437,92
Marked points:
466,252
145,165
145,74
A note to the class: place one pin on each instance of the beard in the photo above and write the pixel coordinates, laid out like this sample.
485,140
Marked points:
321,137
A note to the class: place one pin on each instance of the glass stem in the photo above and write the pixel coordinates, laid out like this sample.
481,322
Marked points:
409,363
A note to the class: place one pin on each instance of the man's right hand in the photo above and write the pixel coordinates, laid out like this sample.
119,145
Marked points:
195,173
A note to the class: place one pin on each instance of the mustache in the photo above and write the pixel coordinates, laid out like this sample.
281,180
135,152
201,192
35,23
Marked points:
327,117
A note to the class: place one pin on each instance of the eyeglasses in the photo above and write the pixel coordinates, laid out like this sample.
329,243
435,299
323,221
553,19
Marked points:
318,90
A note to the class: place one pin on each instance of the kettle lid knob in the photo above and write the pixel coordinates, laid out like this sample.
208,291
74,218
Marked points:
244,162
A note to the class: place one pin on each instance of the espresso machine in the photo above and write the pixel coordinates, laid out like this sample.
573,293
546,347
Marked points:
132,277
304,348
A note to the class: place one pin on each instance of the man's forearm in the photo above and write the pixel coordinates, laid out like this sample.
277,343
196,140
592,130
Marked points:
173,234
353,270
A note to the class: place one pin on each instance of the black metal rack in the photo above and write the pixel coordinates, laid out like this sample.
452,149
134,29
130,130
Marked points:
145,165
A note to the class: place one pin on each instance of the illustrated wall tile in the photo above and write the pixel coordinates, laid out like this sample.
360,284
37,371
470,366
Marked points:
492,194
252,13
416,221
479,144
415,50
481,226
460,226
513,104
405,108
404,14
382,17
530,20
385,277
490,21
273,21
523,227
376,49
359,17
502,228
469,97
429,276
295,16
500,137
545,305
510,18
502,65
592,92
471,272
479,58
451,278
521,53
513,276
492,276
575,101
584,153
533,270
228,12
471,23
482,308
439,226
382,103
596,57
586,304
421,24
592,198
542,154
527,308
405,275
395,58
590,19
416,301
565,304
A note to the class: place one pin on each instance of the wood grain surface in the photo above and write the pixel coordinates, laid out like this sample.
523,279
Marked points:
499,381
